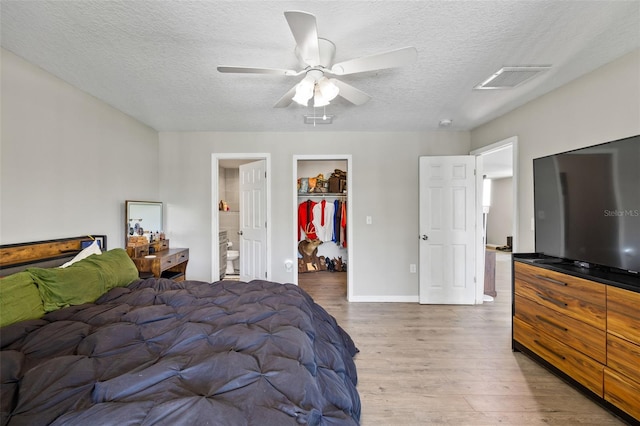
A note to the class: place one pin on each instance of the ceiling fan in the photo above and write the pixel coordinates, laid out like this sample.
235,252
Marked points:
316,56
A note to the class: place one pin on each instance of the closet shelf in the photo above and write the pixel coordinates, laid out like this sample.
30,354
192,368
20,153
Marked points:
321,194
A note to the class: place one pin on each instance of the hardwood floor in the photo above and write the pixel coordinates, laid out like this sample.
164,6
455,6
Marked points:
450,365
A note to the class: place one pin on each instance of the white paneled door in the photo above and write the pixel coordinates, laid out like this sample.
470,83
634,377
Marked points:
253,221
447,230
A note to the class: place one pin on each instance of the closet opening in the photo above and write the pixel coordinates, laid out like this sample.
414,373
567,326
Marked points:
322,200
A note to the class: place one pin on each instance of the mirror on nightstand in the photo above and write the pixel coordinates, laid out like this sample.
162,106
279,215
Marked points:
142,218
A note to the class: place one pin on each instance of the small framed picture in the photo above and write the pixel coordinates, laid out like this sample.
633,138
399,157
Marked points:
101,239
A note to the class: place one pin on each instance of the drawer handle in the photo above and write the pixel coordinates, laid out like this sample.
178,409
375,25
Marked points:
551,323
551,280
551,300
550,350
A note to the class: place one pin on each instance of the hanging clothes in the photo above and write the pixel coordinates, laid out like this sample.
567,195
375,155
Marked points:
323,220
305,220
343,224
336,222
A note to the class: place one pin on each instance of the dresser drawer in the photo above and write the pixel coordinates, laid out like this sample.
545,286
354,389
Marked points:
576,297
622,392
575,364
182,256
623,314
624,357
139,251
168,262
585,338
174,259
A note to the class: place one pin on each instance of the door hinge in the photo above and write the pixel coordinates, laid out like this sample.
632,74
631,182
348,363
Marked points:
265,275
474,279
474,172
265,174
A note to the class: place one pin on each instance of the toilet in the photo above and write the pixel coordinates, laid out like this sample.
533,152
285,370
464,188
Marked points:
231,256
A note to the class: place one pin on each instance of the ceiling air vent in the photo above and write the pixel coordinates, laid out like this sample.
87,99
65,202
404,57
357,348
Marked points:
510,77
318,119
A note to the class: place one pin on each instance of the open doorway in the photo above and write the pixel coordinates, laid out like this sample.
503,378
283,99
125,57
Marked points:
241,238
499,191
322,210
498,205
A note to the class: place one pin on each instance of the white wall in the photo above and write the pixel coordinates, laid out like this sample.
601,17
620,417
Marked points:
68,160
385,187
601,106
500,218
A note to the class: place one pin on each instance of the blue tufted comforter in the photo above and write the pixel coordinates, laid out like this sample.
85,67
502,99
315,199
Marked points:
160,352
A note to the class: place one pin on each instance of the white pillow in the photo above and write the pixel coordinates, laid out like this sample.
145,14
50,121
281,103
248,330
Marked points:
93,248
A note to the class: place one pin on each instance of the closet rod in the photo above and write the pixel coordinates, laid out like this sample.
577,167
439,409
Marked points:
321,194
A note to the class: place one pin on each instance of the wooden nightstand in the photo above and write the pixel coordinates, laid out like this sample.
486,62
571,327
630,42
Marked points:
162,262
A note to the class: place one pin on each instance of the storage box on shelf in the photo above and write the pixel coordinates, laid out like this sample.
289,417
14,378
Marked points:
582,326
158,259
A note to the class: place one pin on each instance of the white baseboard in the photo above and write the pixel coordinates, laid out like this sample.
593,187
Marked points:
384,299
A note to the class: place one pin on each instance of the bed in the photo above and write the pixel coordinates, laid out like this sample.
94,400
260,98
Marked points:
155,351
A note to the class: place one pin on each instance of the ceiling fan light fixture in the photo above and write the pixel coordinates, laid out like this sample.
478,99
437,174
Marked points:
319,100
301,99
316,55
304,91
328,88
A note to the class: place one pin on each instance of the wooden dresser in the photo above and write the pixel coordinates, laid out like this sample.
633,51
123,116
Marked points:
622,373
159,260
586,329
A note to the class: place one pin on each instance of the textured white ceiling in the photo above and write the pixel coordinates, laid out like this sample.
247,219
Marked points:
156,60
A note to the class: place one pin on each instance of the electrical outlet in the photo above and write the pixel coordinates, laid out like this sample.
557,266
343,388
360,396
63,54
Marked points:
369,220
412,268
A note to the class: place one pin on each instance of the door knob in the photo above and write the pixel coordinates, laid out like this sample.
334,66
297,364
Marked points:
425,237
239,232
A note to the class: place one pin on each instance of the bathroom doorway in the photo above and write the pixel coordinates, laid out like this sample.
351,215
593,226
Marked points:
234,240
322,210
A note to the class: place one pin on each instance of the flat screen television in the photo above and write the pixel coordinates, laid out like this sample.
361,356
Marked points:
587,205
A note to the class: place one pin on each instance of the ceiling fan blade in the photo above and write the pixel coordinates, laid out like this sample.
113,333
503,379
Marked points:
350,93
390,59
286,100
305,31
252,70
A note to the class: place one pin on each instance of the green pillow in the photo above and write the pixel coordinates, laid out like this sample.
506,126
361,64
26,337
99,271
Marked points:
74,285
19,299
84,281
117,268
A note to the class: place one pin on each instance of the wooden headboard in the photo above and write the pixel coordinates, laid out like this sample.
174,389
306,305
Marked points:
45,254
